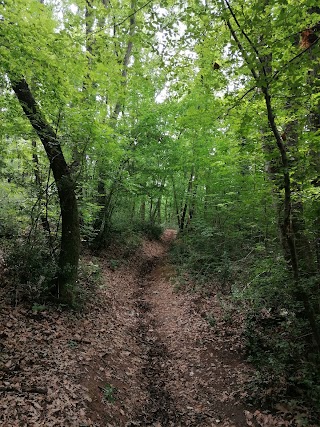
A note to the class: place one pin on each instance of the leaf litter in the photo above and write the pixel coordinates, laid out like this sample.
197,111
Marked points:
140,354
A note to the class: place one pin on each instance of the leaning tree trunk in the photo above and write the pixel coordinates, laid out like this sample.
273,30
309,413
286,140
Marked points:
70,239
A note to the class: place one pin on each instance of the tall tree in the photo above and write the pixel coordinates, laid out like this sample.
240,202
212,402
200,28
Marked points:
15,28
70,238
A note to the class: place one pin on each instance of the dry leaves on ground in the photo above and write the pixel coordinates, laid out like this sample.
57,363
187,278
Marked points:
140,354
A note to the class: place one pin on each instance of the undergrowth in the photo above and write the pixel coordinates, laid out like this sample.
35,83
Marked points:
277,335
127,235
31,269
150,230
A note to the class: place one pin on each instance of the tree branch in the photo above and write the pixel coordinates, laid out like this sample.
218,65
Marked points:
133,13
247,37
276,74
242,50
237,102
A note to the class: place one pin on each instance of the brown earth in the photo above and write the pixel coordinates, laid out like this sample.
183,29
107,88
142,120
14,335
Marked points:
141,354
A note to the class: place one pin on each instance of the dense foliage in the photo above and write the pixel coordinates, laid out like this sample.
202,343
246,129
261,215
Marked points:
199,115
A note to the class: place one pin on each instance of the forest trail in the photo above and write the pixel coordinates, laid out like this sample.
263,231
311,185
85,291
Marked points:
171,369
140,355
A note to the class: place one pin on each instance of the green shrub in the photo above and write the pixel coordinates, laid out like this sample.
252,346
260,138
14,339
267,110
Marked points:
278,338
130,242
89,279
32,269
148,229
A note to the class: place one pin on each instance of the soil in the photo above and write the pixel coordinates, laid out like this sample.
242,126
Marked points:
141,354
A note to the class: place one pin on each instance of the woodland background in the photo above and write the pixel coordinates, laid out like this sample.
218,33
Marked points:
120,118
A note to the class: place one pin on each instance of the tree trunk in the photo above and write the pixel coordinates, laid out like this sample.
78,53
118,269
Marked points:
314,124
143,210
159,210
183,219
103,221
132,24
287,228
117,110
70,238
176,203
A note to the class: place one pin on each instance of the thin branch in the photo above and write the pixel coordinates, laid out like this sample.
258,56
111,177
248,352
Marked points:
247,37
118,24
242,50
276,74
253,71
133,13
237,102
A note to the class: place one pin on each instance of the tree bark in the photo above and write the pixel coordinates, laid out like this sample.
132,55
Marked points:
176,203
70,238
183,219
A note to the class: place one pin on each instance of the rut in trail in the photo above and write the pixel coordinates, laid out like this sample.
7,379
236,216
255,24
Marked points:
190,380
160,408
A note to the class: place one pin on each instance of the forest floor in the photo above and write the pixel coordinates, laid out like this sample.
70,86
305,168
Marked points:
140,354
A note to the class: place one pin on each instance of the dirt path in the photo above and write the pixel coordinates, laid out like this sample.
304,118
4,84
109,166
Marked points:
172,370
186,380
140,355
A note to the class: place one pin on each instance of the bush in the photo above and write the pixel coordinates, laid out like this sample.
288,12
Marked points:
14,210
130,243
148,229
277,336
204,259
279,340
89,279
31,270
